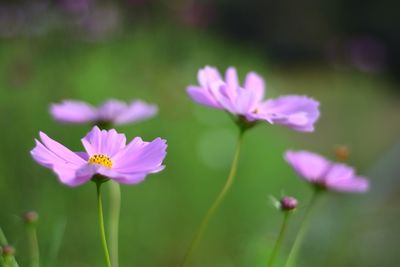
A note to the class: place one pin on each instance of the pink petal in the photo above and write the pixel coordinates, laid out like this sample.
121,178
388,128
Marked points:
231,79
60,159
223,96
245,102
208,75
308,165
341,177
255,84
297,112
103,142
60,151
202,96
136,111
111,109
73,112
339,171
355,184
123,178
140,157
72,177
252,116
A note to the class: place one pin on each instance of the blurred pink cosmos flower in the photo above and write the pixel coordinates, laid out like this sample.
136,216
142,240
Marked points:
325,174
111,112
296,112
106,154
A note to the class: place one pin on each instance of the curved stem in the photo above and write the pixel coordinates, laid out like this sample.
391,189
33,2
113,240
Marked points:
115,208
101,224
33,245
203,226
302,230
279,240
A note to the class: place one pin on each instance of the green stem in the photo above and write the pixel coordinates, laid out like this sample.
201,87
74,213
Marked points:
33,245
57,238
3,239
279,240
302,230
115,207
115,210
7,261
11,261
203,226
101,224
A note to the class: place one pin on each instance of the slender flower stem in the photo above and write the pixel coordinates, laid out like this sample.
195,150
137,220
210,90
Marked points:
114,212
55,245
217,202
115,208
279,240
3,239
101,224
33,245
302,230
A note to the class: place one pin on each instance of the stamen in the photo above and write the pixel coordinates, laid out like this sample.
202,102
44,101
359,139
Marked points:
100,159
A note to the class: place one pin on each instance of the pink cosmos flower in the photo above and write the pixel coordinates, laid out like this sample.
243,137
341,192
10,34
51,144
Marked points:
112,112
107,154
247,100
323,173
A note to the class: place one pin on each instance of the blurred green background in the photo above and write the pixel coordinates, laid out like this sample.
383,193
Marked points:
151,50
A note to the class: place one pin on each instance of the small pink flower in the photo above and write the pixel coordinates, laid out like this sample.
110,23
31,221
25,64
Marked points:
106,153
247,101
112,112
325,174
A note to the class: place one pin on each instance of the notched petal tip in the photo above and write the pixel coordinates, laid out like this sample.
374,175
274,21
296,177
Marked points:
95,129
160,139
42,135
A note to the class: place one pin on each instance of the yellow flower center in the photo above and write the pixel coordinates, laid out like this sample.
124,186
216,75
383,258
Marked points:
100,159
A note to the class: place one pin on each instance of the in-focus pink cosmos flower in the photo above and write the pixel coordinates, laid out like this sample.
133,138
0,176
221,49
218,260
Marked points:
111,112
325,174
247,101
106,154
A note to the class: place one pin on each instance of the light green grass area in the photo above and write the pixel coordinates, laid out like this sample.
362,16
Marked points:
160,215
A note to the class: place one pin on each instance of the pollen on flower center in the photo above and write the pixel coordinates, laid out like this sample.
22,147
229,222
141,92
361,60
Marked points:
100,159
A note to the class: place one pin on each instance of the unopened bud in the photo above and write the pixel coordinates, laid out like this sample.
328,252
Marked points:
8,250
31,217
288,203
342,153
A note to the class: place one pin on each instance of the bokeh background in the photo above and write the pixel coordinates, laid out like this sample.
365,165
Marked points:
343,53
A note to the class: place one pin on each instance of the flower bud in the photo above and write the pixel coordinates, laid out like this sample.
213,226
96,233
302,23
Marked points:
8,250
288,203
30,217
342,153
